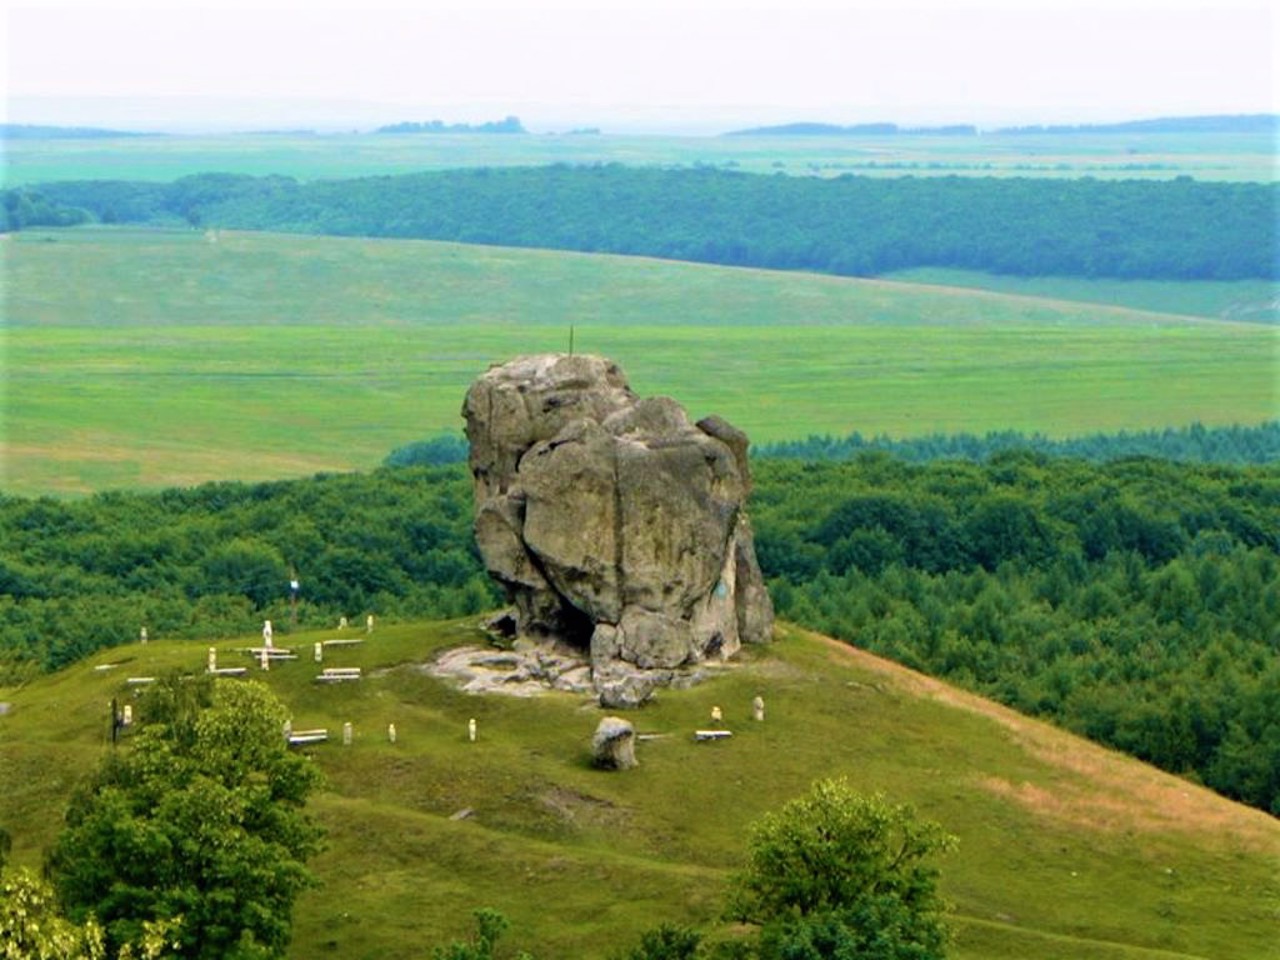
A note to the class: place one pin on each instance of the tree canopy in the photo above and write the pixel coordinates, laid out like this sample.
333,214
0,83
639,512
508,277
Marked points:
197,824
851,226
838,874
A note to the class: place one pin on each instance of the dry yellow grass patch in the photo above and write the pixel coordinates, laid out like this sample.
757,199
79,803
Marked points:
1106,790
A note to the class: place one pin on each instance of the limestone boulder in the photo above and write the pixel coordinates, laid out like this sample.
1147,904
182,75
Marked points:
613,746
613,522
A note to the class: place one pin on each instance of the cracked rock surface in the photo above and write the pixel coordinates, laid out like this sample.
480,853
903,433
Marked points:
613,523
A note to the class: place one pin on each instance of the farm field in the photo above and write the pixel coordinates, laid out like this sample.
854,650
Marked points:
157,358
1228,157
1066,850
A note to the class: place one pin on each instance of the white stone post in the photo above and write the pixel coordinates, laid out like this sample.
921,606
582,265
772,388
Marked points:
213,659
757,708
347,734
391,732
263,660
319,651
471,729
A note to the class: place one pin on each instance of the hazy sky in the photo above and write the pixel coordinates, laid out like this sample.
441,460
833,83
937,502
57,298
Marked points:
644,61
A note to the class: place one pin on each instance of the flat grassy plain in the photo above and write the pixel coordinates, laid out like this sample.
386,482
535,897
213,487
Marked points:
1066,850
145,359
1232,157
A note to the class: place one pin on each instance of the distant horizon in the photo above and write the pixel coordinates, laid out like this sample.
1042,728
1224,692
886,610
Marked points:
185,115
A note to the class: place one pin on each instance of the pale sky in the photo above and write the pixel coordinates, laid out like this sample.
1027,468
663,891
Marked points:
646,62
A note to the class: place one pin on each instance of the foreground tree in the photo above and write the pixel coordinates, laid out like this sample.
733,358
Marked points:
490,926
32,929
197,825
836,875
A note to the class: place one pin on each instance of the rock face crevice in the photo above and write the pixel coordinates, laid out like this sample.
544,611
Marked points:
613,522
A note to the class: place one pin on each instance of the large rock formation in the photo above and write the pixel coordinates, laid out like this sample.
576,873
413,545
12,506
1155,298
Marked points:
613,522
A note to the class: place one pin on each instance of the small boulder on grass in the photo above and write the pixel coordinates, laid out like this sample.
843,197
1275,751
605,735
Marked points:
614,745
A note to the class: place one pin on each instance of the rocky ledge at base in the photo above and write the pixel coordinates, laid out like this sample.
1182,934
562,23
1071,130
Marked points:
614,524
530,670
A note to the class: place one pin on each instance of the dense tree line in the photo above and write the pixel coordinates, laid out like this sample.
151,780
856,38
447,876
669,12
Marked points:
1135,601
30,208
32,131
216,560
1194,444
1216,123
855,226
507,125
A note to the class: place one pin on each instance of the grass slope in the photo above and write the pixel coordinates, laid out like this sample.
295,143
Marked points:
1067,850
1254,301
153,358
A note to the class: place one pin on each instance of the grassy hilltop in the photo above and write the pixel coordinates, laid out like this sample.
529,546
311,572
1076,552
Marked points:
1067,850
177,357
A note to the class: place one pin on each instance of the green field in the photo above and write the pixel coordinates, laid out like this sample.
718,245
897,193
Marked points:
1066,850
1234,157
1254,301
154,358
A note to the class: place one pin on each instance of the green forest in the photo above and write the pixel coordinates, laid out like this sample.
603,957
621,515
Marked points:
1135,600
852,226
1193,444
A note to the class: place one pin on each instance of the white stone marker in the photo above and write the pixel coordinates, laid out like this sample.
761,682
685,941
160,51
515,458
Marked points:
213,659
319,651
347,733
471,729
391,732
142,635
368,624
266,633
757,708
716,714
263,659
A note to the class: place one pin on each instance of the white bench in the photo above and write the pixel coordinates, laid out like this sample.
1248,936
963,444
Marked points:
338,674
308,736
273,653
712,734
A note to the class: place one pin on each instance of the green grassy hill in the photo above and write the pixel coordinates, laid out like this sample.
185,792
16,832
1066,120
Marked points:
1067,850
164,358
